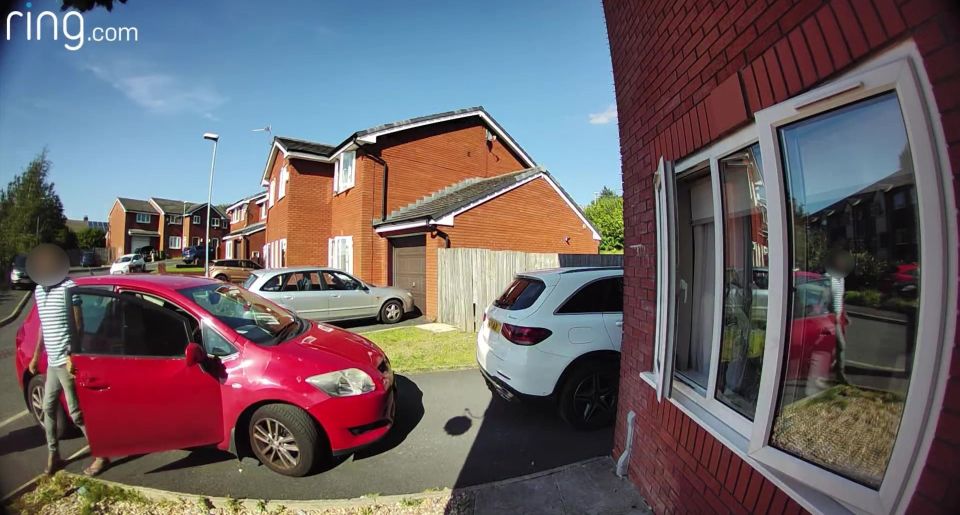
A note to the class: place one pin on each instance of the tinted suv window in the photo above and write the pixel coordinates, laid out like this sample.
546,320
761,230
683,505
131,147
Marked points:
600,296
521,294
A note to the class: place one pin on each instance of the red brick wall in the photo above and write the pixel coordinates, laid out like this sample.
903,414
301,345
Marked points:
308,212
686,73
531,218
121,223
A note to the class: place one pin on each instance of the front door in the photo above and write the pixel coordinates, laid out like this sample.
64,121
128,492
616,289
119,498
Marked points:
410,267
136,390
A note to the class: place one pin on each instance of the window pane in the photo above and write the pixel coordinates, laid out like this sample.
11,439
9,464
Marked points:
744,281
101,328
520,294
696,261
604,295
214,344
854,255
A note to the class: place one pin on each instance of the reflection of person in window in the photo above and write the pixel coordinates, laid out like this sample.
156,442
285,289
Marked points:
838,267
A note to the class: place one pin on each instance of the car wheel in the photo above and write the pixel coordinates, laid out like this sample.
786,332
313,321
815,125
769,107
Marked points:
35,389
222,277
285,439
589,396
391,312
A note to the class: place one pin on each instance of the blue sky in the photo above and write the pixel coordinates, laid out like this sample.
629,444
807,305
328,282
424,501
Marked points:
126,118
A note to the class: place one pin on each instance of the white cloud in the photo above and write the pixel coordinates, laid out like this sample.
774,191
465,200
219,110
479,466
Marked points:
607,116
160,92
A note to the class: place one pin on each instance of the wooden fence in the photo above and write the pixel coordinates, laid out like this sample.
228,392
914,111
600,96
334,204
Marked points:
468,280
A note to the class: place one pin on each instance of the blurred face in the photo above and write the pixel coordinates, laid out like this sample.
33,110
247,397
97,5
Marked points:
47,265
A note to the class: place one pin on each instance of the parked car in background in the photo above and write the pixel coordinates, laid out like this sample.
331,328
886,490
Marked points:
555,335
232,270
193,255
148,252
18,273
224,368
328,294
128,264
89,258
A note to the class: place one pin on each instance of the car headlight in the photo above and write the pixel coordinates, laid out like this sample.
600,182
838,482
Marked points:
343,383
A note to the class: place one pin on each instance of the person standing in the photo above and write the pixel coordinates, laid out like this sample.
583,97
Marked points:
47,266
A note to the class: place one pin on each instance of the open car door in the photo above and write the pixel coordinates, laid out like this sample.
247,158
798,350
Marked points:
139,382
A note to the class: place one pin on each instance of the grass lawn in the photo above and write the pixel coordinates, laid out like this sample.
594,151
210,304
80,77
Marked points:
190,270
416,350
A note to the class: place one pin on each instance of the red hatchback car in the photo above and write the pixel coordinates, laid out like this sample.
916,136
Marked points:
166,362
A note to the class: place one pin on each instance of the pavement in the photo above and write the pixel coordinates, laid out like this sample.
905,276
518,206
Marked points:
450,432
11,302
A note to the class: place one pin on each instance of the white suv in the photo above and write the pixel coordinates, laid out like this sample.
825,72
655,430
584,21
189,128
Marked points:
556,334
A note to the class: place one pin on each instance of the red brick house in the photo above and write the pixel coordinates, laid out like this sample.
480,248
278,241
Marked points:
248,224
167,225
789,173
381,202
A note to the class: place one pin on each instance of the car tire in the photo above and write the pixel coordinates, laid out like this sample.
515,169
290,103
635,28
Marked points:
276,423
222,277
35,389
391,312
588,399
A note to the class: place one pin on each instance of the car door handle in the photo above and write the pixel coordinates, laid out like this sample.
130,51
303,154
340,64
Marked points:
335,296
287,297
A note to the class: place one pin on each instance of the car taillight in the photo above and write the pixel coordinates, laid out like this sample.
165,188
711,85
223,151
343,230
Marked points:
525,335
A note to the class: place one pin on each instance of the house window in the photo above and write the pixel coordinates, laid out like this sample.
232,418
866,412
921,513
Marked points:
340,253
195,240
789,316
273,187
174,242
215,222
263,212
344,171
143,218
174,220
196,219
284,177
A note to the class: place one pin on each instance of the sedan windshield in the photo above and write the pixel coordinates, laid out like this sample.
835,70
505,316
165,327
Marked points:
254,317
123,259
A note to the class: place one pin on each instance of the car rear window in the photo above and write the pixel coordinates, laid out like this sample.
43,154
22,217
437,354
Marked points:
521,294
250,280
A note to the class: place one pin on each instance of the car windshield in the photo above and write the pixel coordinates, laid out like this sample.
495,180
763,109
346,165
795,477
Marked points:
124,259
254,317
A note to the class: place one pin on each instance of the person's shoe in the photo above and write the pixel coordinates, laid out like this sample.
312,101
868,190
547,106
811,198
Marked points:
54,463
96,467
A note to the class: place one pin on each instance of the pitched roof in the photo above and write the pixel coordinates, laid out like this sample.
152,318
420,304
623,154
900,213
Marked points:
246,199
304,146
419,119
456,196
170,206
131,204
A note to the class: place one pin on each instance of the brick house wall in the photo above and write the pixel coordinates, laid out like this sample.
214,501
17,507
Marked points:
504,222
192,230
687,73
167,230
121,222
277,214
308,212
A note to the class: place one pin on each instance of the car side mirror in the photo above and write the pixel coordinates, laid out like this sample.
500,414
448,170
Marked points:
194,354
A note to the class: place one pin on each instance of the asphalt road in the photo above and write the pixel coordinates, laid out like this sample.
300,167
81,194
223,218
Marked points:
450,432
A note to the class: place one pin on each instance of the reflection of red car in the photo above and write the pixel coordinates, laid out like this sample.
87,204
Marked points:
902,280
166,362
813,340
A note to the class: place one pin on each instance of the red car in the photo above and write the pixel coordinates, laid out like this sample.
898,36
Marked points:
167,362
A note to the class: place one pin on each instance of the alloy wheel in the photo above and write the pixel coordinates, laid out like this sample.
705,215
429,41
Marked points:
275,443
392,312
36,402
595,396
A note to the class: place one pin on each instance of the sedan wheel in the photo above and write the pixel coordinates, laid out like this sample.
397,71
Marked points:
285,439
35,391
391,312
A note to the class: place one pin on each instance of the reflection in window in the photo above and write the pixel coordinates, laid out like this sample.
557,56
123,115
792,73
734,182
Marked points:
744,282
855,247
695,280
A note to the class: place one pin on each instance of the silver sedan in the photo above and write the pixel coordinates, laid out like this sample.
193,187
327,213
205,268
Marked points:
328,294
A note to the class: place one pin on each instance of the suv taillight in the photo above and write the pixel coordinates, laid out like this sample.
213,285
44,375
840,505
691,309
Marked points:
525,335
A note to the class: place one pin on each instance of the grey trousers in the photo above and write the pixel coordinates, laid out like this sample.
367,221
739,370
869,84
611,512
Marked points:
59,380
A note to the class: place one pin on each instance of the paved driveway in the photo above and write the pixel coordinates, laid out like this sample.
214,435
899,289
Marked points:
449,432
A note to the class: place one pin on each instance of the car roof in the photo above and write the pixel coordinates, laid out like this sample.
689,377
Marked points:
600,270
158,281
289,269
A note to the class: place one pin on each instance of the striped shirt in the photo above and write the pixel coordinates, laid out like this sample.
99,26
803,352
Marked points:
53,311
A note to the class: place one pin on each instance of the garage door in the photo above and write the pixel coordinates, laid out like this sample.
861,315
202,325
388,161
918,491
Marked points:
410,267
138,241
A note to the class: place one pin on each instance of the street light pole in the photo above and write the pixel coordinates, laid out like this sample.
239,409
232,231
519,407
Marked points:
206,262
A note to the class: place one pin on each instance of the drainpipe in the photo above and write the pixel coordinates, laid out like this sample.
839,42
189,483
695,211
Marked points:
624,462
440,234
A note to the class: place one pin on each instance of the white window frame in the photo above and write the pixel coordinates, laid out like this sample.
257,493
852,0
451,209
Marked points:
898,70
344,181
273,190
338,246
196,220
175,220
282,187
175,242
143,218
215,222
263,211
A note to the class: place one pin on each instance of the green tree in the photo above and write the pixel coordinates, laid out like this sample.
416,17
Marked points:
31,212
606,214
91,237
